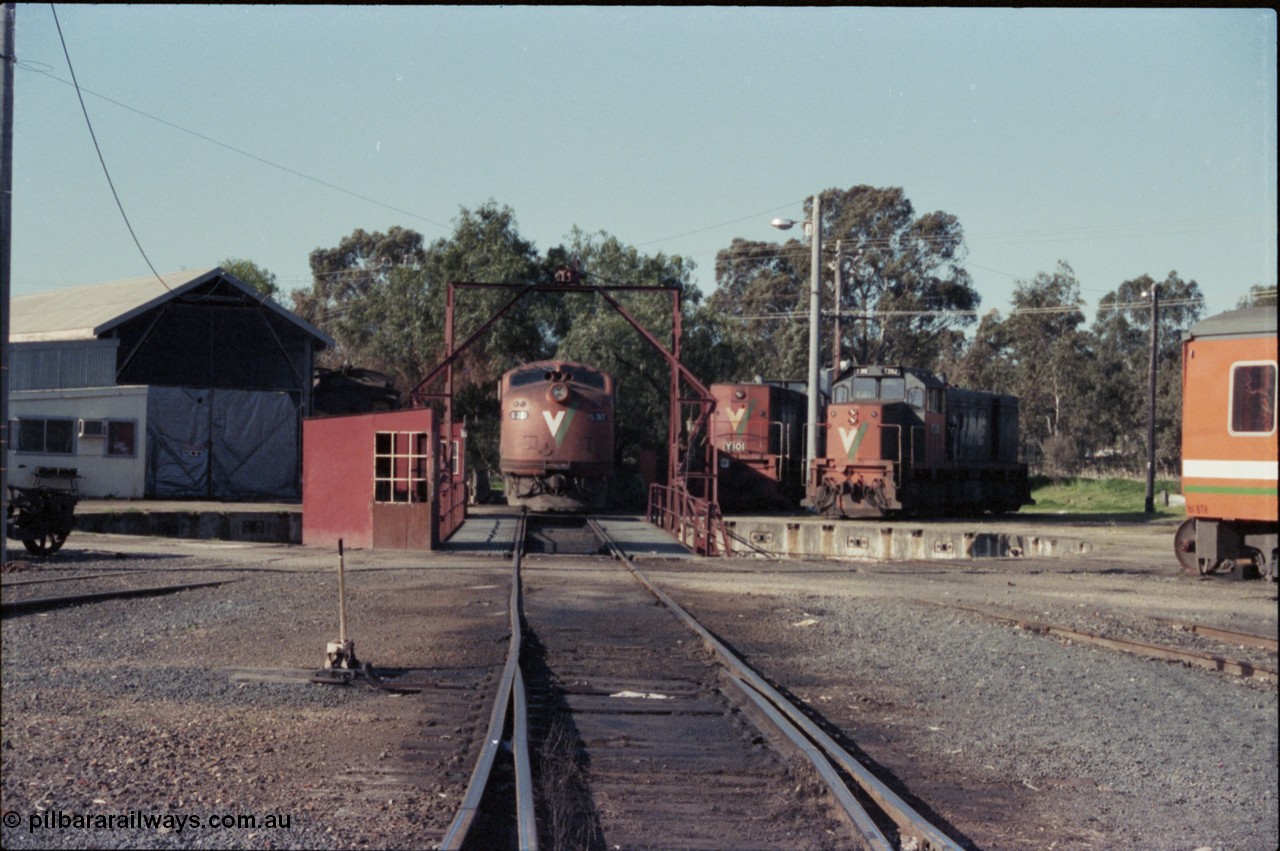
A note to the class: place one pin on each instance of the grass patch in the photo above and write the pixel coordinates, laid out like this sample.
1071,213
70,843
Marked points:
1123,499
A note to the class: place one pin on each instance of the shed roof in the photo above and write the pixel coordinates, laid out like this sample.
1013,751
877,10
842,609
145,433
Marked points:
88,312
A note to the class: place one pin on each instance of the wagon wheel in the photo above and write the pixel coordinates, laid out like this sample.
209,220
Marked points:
1184,547
45,545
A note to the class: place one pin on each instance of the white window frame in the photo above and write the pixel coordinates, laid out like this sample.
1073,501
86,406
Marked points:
1231,397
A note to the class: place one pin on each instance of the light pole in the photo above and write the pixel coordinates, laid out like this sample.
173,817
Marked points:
815,313
1150,505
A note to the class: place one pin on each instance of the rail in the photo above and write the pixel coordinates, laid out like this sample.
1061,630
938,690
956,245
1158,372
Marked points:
695,522
812,741
511,694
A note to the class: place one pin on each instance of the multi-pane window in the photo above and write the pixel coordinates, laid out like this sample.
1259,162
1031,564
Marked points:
46,435
1253,398
401,463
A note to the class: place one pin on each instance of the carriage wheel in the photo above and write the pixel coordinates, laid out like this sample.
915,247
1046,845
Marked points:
45,545
1184,546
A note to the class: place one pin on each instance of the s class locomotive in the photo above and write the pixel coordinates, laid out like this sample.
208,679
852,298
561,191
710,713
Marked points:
556,441
902,441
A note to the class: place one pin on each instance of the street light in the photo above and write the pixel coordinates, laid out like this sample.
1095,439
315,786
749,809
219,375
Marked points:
815,311
1149,505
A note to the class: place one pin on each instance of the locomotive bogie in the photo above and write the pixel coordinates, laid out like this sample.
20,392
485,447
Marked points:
1229,446
556,441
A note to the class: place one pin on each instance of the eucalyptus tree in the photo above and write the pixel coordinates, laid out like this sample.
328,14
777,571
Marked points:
597,334
905,293
1048,357
1259,295
252,274
1122,387
350,295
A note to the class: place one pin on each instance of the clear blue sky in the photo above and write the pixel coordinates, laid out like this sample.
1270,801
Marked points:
1125,142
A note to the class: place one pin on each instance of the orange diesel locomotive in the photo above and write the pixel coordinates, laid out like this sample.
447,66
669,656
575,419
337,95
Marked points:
758,432
556,442
903,441
1229,455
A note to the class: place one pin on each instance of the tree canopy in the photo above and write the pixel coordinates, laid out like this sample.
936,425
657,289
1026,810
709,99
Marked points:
252,274
905,293
906,299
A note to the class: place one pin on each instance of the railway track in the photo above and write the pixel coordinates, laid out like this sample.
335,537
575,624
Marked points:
1164,652
641,729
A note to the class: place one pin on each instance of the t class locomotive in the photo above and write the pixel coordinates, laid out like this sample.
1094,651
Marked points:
556,442
903,441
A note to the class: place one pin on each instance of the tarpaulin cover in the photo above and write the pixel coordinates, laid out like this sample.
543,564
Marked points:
235,445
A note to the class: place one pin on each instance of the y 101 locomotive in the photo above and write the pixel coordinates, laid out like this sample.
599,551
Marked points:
1229,449
556,442
901,440
758,432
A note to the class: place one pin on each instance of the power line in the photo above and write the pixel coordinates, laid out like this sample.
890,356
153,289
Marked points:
97,148
798,314
31,67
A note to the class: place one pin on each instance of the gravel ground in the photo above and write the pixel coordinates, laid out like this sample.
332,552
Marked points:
1014,739
126,707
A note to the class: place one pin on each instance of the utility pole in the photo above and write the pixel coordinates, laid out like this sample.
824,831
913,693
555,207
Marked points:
815,317
6,232
1151,400
835,344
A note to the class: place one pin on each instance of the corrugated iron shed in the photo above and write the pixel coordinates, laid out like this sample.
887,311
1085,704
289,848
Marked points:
88,312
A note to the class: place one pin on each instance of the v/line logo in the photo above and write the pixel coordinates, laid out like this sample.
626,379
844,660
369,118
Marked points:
559,423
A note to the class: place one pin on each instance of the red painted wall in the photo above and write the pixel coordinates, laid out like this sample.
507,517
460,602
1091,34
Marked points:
338,472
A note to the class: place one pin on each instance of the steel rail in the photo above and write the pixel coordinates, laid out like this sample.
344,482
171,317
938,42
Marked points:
510,691
910,823
1230,636
871,834
40,604
1194,658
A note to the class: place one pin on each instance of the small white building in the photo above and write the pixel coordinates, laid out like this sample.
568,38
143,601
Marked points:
192,385
97,431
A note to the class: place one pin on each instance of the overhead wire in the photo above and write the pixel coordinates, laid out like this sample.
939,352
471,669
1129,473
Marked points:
27,66
1123,230
98,148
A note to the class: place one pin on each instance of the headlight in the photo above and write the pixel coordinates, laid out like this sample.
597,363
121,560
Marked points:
559,392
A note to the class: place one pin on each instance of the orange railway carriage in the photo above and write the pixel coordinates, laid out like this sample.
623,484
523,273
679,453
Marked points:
1229,442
